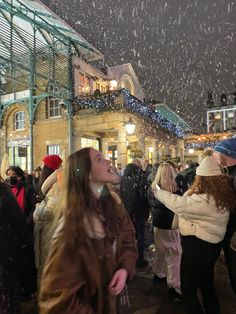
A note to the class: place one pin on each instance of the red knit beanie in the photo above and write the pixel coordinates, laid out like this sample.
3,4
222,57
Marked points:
52,161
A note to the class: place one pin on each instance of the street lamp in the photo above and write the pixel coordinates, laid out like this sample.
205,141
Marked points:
113,84
130,126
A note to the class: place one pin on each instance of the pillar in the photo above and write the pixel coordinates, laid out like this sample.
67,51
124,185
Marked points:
173,151
77,137
122,146
141,142
180,150
155,154
104,147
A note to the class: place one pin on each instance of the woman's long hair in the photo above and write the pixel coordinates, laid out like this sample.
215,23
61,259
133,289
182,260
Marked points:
165,178
46,172
219,187
76,199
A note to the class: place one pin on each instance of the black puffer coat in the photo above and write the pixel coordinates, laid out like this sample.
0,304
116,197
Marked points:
162,217
134,191
14,235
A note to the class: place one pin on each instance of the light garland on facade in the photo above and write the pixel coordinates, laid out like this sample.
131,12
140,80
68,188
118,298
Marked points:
105,102
201,145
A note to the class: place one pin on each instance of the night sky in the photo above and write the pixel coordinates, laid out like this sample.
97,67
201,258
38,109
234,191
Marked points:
179,48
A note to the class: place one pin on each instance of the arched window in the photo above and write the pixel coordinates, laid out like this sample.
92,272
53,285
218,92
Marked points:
127,83
19,120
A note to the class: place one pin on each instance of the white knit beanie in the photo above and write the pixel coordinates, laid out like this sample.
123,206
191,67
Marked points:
208,167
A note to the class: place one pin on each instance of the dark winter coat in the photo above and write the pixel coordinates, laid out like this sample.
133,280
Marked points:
30,200
13,235
134,191
162,217
185,179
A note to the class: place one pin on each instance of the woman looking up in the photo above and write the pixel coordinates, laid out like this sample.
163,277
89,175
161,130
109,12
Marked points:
93,252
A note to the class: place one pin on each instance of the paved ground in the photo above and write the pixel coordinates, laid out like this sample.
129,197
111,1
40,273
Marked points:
149,298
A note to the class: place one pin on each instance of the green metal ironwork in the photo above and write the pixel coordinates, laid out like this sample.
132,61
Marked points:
36,51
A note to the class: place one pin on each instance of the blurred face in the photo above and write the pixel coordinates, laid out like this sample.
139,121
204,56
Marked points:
224,160
101,169
12,177
11,173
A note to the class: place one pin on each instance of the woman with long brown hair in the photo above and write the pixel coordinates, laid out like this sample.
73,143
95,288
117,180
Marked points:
203,213
93,251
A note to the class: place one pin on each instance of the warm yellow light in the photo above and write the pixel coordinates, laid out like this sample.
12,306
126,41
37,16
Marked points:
150,149
113,84
86,89
191,150
199,139
130,126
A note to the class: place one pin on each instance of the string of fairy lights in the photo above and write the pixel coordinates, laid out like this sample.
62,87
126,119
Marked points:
201,145
106,102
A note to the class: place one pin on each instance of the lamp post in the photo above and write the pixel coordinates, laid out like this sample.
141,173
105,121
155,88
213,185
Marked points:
113,84
130,126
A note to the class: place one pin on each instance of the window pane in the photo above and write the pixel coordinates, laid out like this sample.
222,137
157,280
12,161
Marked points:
53,149
54,107
19,120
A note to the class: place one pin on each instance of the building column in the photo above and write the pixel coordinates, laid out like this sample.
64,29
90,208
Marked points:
167,150
161,151
180,150
155,154
141,143
77,138
173,151
104,147
122,146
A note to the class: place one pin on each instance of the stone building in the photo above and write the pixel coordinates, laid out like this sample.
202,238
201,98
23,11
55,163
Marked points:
53,101
220,124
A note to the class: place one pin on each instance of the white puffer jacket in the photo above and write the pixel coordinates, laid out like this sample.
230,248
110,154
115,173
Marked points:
196,215
46,216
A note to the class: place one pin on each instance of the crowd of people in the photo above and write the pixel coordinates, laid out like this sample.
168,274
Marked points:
73,237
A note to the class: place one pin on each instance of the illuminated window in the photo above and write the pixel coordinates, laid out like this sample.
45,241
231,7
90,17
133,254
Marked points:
53,149
81,78
230,119
98,86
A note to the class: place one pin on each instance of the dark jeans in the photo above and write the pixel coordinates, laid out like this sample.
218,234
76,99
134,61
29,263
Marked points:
197,271
139,224
230,254
230,258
